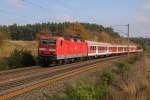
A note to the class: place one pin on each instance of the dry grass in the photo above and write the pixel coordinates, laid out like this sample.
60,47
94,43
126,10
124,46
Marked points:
136,85
8,46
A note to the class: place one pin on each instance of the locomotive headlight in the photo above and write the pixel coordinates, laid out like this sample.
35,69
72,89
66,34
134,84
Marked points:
42,49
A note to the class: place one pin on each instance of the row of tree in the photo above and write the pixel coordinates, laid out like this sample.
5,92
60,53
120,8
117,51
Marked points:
66,29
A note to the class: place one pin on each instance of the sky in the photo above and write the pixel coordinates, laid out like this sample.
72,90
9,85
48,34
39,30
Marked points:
111,13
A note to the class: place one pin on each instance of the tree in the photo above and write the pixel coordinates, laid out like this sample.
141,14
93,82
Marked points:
66,29
1,38
104,37
76,29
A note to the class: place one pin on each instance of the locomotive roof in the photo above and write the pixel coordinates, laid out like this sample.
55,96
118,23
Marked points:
49,37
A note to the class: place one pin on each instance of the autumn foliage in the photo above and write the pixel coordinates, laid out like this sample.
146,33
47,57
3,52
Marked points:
76,29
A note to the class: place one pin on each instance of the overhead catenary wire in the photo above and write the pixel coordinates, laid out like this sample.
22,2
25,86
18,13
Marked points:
20,16
16,15
121,32
39,6
31,3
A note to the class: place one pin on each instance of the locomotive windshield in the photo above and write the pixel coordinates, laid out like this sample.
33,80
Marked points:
48,42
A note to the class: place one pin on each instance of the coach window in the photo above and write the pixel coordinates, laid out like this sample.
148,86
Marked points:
110,48
119,48
114,48
90,47
100,48
103,48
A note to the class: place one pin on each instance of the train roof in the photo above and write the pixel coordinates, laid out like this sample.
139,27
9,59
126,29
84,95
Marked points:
107,44
97,43
50,37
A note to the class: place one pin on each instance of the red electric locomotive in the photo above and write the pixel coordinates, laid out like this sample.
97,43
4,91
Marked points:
59,50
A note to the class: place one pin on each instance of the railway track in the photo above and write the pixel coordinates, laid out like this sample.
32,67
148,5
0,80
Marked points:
16,74
21,73
45,76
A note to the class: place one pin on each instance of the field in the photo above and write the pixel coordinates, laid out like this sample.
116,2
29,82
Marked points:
8,46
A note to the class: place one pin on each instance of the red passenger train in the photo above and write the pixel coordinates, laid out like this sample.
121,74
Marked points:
58,50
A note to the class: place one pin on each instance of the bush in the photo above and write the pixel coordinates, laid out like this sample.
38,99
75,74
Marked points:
123,66
132,60
3,64
102,90
21,58
82,92
107,76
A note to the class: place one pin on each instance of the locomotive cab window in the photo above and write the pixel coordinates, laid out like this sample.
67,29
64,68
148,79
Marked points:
48,42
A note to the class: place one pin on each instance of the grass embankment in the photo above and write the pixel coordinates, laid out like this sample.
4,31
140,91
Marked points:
17,59
125,80
8,46
15,56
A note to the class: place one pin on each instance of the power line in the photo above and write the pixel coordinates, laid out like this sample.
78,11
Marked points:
117,25
118,30
33,4
26,3
121,31
16,17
